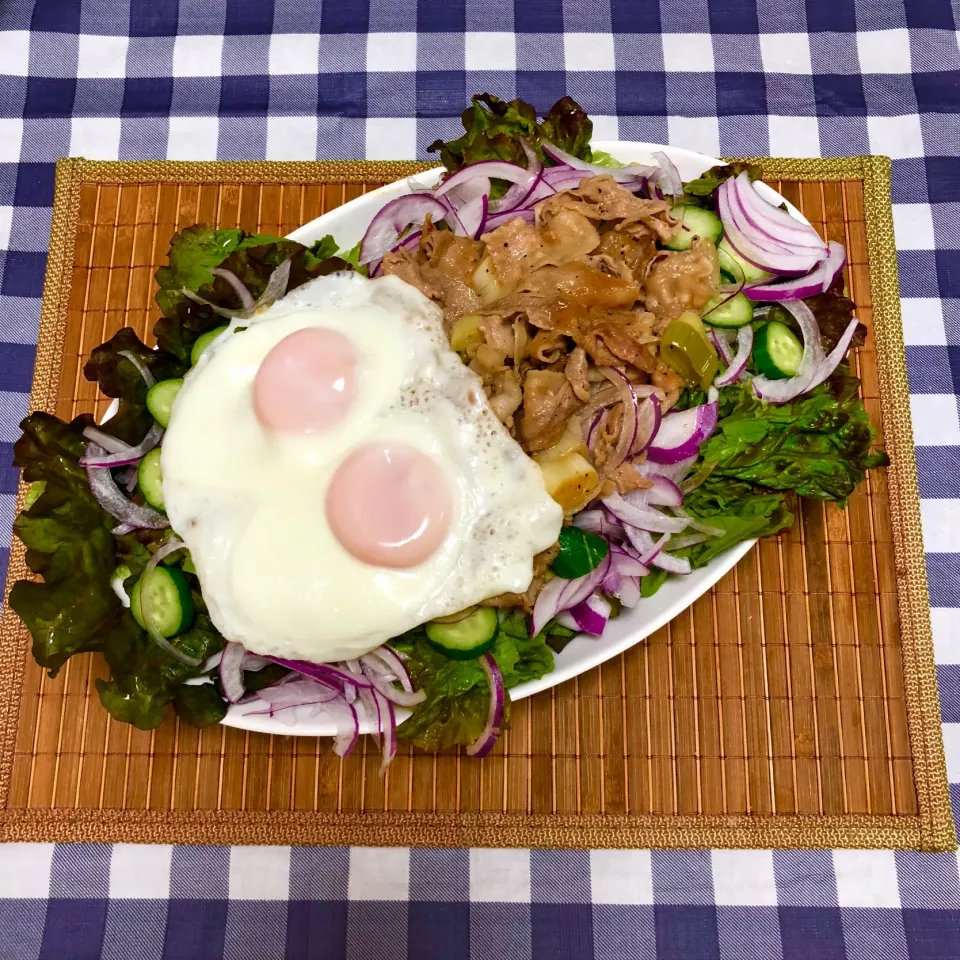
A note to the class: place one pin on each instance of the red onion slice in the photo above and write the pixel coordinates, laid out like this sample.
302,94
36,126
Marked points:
394,217
106,492
596,521
630,425
484,743
664,493
632,173
777,222
681,434
629,592
518,194
125,457
231,671
671,564
148,378
395,666
819,280
722,345
668,180
591,615
106,440
836,355
470,219
245,297
489,169
755,246
386,687
641,517
737,364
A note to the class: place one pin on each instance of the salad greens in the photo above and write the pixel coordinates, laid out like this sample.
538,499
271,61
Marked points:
458,693
748,473
495,129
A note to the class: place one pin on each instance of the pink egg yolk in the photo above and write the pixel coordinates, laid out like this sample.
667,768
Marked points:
389,505
306,383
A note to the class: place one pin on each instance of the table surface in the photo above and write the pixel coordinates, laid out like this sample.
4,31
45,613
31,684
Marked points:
301,79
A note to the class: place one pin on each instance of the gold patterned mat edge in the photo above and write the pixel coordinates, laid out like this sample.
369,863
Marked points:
932,829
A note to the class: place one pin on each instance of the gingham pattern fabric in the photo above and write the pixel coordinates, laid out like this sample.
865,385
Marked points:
250,79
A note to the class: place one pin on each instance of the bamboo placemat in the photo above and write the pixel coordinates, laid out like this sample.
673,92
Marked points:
793,705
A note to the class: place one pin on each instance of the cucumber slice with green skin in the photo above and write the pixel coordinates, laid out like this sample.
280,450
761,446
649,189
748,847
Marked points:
580,552
728,312
468,638
167,600
776,351
204,341
149,479
696,222
732,264
160,399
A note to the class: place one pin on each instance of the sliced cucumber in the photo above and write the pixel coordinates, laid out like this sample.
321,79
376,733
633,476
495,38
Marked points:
166,599
204,341
160,399
777,352
149,479
468,637
735,267
695,222
726,311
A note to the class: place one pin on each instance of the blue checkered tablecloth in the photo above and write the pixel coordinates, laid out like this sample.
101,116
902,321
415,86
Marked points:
381,78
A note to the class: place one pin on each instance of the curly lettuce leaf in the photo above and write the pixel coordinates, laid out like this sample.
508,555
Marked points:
252,258
68,541
458,694
74,608
819,445
117,377
493,129
701,192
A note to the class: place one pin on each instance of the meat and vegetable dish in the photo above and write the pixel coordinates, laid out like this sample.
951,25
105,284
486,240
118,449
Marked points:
407,474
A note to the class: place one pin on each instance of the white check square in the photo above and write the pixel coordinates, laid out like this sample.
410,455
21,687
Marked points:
259,873
391,138
884,51
935,423
6,221
866,878
16,52
294,54
744,878
379,873
26,871
291,138
941,518
951,747
11,136
794,136
101,56
193,138
621,876
946,634
198,56
391,52
588,51
500,876
490,51
140,872
785,53
896,137
687,53
913,226
923,322
96,138
695,133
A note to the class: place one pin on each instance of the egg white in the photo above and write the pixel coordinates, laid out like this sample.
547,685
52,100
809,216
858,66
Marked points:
250,504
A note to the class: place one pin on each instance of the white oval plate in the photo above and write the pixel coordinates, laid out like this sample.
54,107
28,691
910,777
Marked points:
348,224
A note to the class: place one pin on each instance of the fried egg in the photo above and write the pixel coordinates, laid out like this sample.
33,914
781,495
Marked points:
339,477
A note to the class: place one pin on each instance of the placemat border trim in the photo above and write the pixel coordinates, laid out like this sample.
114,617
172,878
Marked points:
932,829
